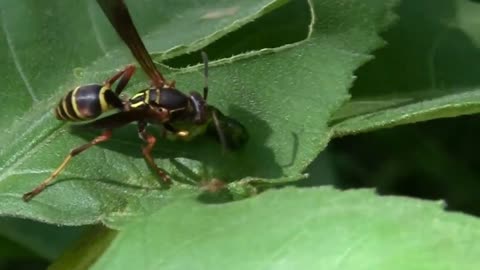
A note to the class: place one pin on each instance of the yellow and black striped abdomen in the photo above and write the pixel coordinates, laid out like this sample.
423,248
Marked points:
86,102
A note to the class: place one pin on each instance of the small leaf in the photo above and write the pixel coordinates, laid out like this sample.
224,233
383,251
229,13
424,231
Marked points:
429,70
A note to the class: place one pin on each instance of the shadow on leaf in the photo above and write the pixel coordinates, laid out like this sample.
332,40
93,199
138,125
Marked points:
202,158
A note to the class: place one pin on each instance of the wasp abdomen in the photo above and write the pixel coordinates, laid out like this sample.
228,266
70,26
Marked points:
86,102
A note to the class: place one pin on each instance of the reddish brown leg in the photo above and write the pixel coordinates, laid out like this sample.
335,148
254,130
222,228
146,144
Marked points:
147,151
128,73
124,76
106,135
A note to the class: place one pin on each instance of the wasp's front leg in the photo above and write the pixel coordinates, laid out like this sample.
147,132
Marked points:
147,151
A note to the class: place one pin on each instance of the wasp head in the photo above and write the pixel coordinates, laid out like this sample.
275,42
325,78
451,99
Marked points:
228,131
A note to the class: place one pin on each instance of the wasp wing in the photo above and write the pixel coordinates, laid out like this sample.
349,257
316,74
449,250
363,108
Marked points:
119,16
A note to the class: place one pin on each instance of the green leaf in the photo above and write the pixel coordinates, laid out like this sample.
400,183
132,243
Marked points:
284,96
316,228
429,70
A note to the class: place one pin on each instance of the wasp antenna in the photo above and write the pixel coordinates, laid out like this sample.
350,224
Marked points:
221,135
205,74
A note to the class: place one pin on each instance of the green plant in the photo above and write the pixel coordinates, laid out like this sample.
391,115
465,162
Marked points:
286,69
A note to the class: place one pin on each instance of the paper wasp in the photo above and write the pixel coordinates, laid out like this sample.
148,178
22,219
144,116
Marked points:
181,115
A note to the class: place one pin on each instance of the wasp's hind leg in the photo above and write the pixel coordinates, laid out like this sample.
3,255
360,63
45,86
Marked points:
114,98
147,151
106,135
124,76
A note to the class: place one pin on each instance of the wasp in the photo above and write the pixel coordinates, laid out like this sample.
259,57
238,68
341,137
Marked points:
181,115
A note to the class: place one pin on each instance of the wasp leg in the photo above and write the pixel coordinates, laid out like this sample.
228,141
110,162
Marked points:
147,151
124,76
114,99
127,74
106,135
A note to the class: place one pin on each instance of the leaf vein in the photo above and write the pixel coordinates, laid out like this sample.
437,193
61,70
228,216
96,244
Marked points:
16,61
